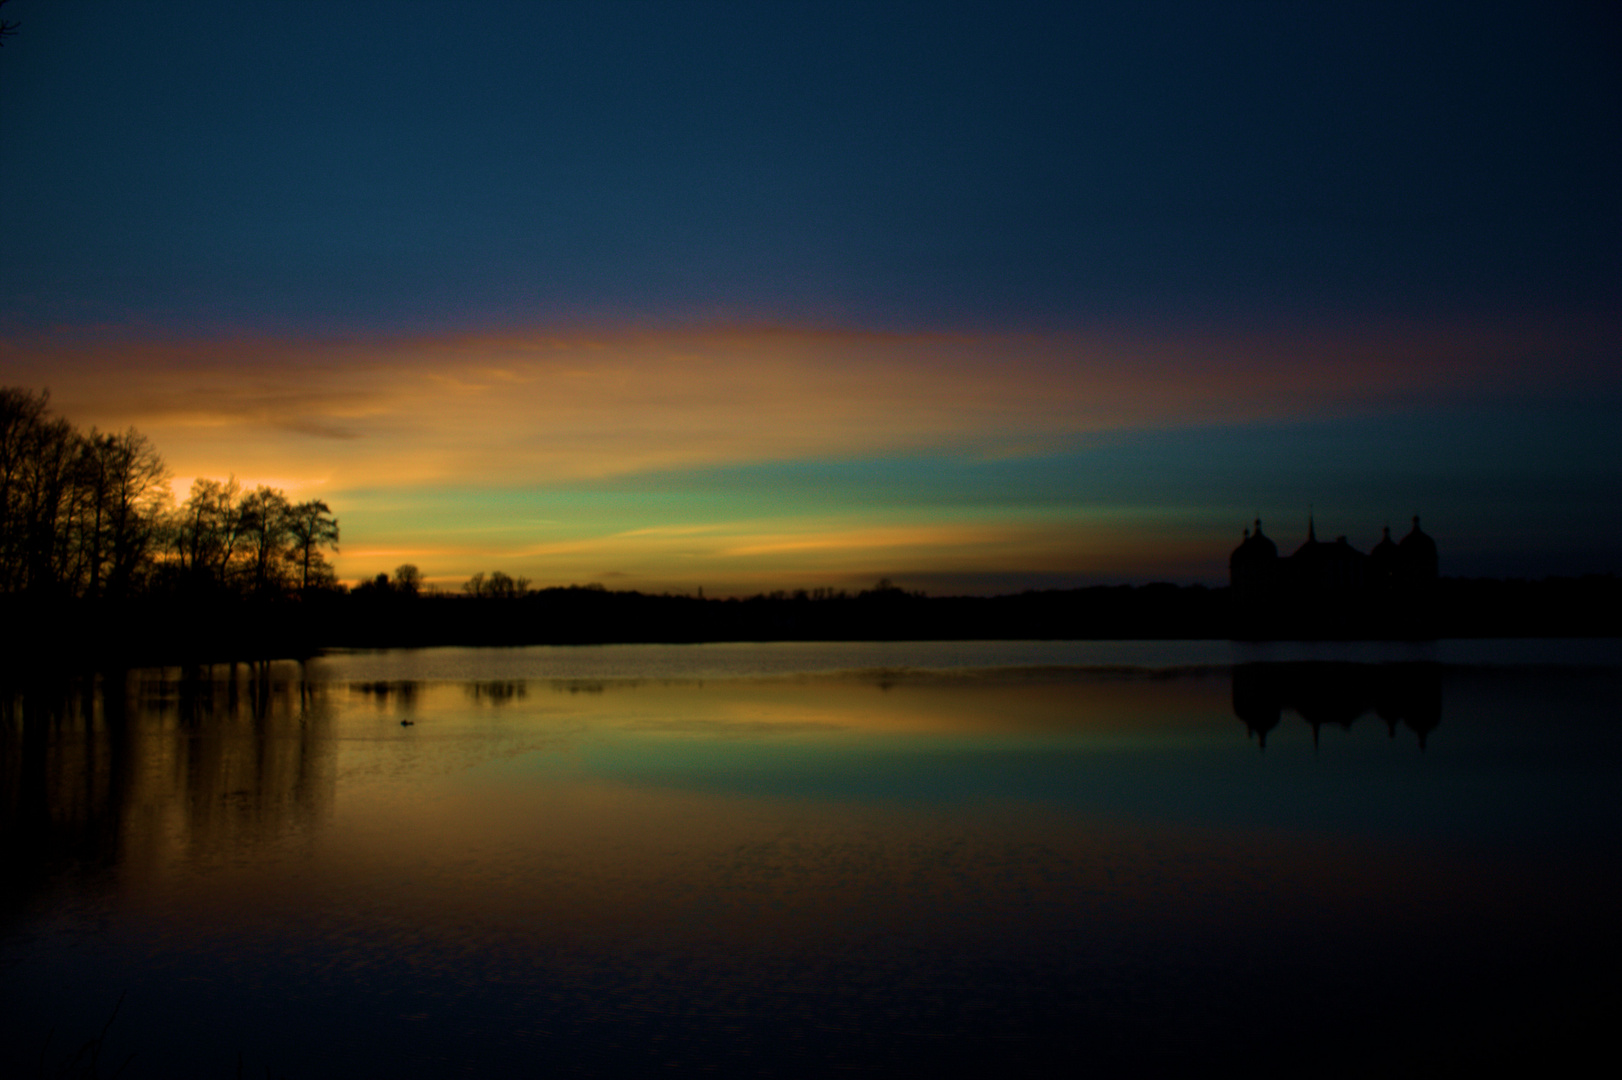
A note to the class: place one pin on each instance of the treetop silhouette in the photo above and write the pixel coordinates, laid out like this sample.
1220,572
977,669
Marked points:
91,516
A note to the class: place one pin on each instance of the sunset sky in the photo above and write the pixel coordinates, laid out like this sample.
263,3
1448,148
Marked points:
752,296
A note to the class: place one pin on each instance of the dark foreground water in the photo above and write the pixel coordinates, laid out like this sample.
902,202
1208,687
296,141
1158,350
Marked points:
1119,858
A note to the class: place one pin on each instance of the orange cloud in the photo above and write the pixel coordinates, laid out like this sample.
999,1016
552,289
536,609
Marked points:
549,407
379,426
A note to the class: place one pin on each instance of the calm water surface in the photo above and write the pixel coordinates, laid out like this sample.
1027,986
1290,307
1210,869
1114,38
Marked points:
1136,858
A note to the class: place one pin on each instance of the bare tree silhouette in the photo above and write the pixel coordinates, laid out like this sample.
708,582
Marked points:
267,528
312,527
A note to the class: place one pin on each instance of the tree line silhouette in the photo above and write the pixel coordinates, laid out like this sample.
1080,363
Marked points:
90,515
79,513
386,612
98,565
98,562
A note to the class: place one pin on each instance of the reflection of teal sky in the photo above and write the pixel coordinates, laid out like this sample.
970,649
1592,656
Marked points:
1485,777
1530,487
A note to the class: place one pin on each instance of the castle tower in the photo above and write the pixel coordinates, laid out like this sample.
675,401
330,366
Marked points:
1416,557
1253,567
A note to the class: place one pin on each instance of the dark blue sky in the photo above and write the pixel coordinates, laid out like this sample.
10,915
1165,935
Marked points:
365,165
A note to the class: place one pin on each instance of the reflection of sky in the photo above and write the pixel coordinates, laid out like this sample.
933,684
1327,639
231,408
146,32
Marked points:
754,297
1133,760
704,873
1159,750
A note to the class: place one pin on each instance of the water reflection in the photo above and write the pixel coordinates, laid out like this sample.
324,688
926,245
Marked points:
398,696
497,691
1338,694
124,776
1006,870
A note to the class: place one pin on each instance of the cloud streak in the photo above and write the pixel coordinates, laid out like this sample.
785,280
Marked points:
550,408
751,457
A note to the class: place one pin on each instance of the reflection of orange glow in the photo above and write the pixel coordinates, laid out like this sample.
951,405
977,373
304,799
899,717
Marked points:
499,820
560,715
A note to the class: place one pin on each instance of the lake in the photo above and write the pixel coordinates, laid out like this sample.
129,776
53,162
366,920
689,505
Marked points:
1127,857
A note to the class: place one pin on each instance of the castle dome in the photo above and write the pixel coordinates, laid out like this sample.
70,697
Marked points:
1254,547
1416,541
1418,553
1253,567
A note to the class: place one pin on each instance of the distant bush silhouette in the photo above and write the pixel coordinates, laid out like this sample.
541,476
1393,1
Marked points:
497,585
407,579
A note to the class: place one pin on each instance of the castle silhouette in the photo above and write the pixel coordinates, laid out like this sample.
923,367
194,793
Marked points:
1331,589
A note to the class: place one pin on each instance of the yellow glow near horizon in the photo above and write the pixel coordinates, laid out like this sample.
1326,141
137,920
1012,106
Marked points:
371,426
745,557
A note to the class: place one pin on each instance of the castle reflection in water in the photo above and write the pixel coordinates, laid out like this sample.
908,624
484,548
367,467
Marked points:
1337,695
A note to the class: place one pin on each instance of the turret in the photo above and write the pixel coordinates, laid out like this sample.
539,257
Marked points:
1417,556
1383,560
1253,566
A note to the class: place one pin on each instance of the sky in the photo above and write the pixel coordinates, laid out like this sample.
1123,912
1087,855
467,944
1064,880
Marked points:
977,297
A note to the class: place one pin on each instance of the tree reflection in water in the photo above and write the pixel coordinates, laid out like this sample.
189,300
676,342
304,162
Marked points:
120,776
892,870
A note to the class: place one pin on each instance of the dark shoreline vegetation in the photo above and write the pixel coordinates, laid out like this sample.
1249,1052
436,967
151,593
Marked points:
98,568
165,630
